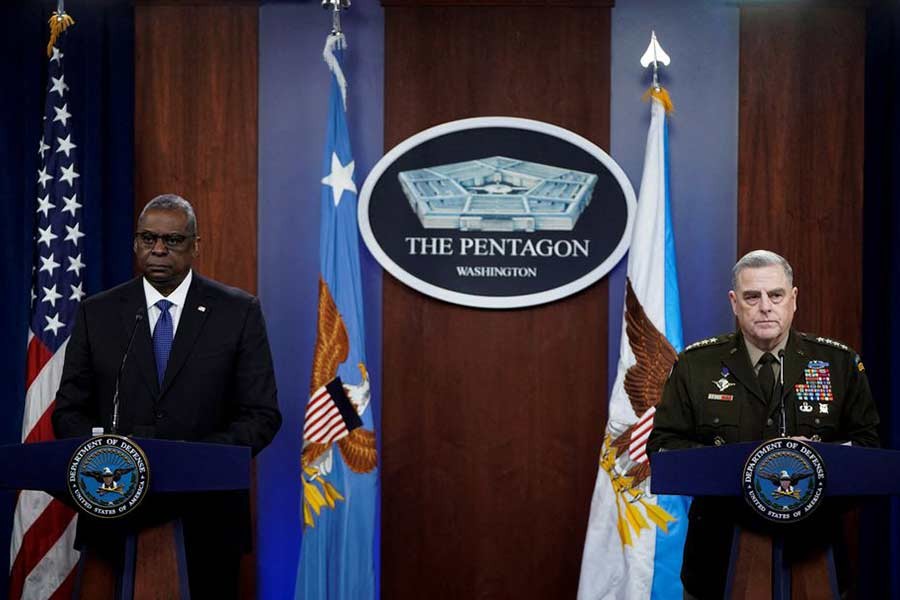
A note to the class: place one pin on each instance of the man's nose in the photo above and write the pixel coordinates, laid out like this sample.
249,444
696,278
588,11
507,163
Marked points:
159,247
765,304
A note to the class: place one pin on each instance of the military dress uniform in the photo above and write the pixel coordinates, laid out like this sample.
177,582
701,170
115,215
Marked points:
713,397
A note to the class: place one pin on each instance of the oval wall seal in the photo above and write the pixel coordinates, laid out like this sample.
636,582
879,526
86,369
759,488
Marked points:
108,476
497,212
784,480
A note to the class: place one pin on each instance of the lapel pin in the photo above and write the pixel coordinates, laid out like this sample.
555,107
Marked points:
201,308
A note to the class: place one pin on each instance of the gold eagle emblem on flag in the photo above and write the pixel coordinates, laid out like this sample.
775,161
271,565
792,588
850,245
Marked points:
624,455
357,446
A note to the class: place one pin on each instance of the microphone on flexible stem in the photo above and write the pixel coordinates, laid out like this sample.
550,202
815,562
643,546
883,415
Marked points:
781,391
115,416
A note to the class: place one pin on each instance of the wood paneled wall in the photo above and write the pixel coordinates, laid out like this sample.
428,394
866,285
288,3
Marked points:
196,132
801,154
492,420
196,73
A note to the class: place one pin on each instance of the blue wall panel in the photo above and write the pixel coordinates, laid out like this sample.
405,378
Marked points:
293,94
702,38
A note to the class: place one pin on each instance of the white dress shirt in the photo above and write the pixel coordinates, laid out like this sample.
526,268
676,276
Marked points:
177,298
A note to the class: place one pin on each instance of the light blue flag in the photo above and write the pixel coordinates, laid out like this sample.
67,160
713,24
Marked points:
338,555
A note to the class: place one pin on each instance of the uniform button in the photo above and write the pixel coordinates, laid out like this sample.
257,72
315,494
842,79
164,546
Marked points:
816,421
718,441
769,422
715,420
161,414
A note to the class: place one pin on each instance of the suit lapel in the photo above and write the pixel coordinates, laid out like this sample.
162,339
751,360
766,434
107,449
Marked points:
134,302
189,325
795,360
738,362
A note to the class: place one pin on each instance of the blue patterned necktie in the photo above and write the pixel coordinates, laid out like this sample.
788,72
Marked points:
162,338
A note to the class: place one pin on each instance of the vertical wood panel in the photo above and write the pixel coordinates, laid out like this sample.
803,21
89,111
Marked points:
801,155
492,420
196,135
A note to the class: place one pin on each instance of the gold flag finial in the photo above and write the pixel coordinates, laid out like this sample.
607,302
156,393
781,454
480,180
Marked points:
59,22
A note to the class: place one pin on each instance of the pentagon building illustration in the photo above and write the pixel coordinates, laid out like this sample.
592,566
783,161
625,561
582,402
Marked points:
498,194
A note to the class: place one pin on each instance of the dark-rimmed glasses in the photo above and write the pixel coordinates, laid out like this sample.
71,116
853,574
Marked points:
172,241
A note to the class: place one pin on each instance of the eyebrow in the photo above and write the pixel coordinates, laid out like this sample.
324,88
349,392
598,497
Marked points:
768,292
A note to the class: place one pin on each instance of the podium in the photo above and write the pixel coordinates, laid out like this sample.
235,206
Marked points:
153,564
758,567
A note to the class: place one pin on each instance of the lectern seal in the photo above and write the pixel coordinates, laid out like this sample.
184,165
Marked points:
108,476
784,480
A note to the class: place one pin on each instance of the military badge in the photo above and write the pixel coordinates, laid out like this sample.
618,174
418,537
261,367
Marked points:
784,480
817,385
108,476
723,384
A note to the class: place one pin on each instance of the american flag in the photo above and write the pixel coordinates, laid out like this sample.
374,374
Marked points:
330,416
42,558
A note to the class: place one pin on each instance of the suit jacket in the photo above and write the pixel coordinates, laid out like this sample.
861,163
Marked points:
219,387
713,397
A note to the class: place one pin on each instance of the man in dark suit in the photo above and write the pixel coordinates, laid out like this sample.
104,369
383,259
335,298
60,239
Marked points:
199,369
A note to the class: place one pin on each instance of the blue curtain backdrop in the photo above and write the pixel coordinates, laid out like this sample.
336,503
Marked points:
100,75
880,547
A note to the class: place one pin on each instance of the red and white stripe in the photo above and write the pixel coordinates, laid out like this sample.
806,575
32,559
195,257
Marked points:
324,423
42,557
637,448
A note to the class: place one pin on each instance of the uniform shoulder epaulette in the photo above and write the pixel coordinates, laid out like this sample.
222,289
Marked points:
713,341
827,342
839,345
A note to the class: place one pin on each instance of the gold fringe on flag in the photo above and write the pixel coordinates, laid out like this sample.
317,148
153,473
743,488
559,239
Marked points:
661,94
58,22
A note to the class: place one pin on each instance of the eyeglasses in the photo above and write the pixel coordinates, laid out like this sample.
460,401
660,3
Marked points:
172,241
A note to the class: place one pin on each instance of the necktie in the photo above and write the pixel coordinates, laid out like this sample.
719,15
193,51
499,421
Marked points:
162,338
766,375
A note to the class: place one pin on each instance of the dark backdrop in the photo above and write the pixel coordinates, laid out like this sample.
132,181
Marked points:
880,548
99,70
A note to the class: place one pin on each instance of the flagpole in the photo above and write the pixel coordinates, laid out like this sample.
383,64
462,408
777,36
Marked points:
336,7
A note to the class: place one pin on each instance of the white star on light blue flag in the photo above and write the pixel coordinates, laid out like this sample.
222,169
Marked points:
340,179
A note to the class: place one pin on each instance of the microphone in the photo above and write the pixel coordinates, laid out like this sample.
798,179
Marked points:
781,389
115,416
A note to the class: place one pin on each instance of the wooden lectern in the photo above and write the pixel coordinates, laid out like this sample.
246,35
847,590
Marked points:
153,565
759,568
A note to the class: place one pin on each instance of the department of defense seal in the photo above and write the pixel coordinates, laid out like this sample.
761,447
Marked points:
108,476
784,480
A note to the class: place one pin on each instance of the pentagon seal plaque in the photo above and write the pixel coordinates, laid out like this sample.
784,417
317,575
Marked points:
784,480
108,476
497,212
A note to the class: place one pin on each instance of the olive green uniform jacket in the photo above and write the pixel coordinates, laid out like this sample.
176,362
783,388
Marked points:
713,397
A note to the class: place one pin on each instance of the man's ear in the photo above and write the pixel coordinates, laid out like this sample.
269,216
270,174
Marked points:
733,298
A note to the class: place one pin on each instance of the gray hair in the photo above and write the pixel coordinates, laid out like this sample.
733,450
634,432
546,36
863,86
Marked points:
761,258
173,202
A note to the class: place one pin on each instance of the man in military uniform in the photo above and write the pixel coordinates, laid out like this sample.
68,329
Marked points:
764,381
